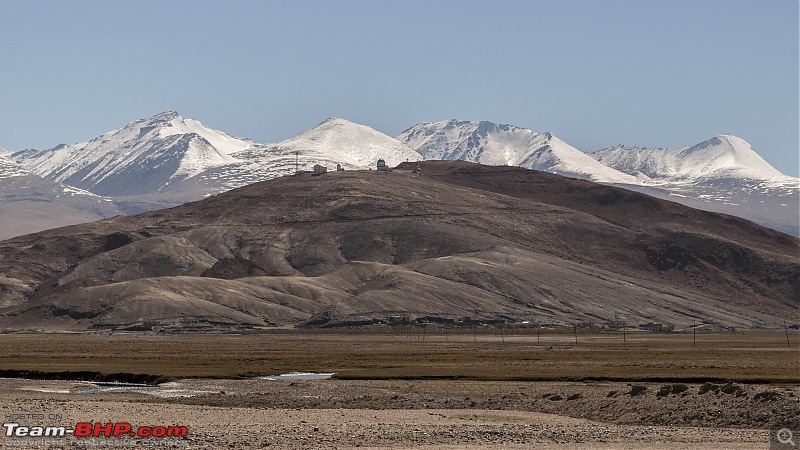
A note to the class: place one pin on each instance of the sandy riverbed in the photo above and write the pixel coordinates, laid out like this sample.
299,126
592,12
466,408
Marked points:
247,414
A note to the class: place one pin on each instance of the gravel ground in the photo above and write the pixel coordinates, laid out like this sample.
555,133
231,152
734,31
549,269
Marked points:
248,414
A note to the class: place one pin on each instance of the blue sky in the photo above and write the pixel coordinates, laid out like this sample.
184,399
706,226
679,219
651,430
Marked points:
594,72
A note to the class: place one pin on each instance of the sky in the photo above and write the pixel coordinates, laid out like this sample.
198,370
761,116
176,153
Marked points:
595,73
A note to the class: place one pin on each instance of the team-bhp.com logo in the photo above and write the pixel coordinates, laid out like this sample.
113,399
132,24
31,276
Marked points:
88,429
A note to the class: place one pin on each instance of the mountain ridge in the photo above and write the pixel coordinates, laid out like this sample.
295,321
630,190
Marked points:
166,160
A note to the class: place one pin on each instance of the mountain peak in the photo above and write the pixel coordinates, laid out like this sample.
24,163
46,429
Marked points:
166,115
733,142
171,123
341,141
339,125
159,119
334,120
333,126
722,154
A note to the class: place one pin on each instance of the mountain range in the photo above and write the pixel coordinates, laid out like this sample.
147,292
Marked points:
168,160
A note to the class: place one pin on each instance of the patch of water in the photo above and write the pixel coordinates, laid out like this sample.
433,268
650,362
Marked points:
102,388
297,376
165,390
45,390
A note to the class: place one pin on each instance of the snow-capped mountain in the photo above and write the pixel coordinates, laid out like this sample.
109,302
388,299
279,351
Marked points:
723,174
493,144
4,152
145,157
29,203
167,160
724,156
337,141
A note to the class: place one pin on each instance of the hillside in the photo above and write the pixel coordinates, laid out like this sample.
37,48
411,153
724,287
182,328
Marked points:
458,242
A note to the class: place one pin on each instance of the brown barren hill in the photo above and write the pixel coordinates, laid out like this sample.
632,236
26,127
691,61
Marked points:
454,242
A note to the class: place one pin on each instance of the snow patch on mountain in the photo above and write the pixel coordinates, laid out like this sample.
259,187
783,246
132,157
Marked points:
489,143
10,169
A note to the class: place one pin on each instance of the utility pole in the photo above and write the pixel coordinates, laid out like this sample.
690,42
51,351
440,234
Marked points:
624,338
786,330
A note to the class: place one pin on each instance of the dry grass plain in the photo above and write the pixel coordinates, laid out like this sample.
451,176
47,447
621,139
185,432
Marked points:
414,353
401,389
